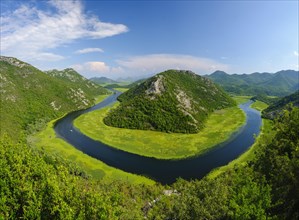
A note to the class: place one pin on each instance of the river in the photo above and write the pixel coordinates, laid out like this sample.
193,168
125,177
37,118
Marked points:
163,171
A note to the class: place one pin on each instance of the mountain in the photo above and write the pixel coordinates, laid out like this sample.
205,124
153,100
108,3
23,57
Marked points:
171,101
136,83
73,78
281,83
30,97
276,108
102,80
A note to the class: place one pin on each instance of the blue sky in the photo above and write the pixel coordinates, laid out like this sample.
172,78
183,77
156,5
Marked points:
138,38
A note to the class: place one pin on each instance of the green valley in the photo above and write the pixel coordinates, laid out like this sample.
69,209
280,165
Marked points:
55,176
149,110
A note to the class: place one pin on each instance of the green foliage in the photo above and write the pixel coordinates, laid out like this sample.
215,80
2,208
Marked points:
35,185
194,200
75,80
279,84
266,99
276,108
279,163
172,101
249,195
30,97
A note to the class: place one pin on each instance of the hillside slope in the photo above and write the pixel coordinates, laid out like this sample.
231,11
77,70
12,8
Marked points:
281,83
73,78
30,97
171,101
277,107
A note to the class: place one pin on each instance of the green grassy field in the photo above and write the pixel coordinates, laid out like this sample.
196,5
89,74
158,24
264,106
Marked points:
218,128
258,105
47,140
265,133
100,98
121,89
241,99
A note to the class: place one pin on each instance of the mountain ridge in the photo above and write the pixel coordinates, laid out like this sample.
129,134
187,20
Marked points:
281,83
102,80
29,96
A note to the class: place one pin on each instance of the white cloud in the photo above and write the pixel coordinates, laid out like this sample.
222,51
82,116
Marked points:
146,65
296,53
155,63
89,50
28,29
45,56
93,68
99,67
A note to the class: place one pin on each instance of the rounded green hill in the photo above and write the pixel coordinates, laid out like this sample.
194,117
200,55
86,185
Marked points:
171,101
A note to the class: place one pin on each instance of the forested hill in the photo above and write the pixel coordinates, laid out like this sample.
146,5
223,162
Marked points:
73,78
277,107
171,101
30,97
281,83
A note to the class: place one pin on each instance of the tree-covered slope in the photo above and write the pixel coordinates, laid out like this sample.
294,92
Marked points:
266,99
171,101
30,96
278,84
73,78
277,107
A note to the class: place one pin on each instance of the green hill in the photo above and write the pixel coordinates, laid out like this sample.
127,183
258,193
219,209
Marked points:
171,101
30,97
281,83
276,108
73,78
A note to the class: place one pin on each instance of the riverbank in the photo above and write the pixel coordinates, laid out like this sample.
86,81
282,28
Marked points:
266,132
218,128
48,141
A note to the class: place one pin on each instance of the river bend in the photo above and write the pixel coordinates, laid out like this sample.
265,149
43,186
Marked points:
164,171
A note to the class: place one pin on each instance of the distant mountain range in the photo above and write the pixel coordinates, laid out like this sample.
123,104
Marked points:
281,83
278,84
29,95
103,80
171,101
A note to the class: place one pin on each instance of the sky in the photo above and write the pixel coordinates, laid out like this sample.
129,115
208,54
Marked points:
119,39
